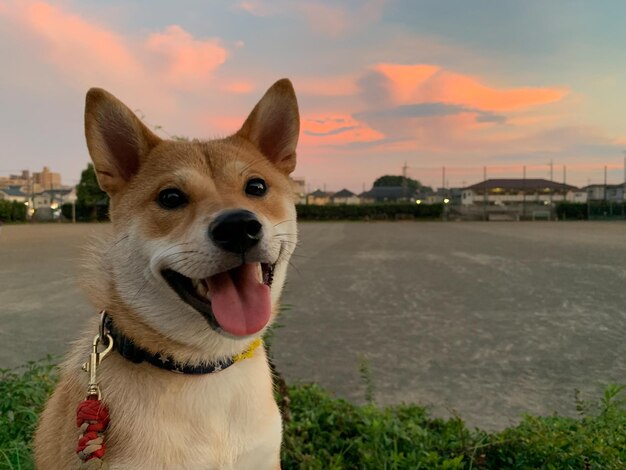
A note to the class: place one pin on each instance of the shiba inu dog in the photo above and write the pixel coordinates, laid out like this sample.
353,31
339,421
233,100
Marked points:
190,279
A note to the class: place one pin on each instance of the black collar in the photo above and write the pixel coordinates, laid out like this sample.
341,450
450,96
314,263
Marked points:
129,350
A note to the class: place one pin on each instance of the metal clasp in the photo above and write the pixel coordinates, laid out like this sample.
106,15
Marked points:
91,366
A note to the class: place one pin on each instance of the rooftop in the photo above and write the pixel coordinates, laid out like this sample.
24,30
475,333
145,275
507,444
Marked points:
520,183
344,193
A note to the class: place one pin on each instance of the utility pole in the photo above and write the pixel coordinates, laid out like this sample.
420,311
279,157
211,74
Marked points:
624,188
405,182
551,191
524,192
564,183
484,193
604,183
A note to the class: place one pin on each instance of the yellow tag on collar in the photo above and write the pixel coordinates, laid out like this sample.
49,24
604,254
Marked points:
248,352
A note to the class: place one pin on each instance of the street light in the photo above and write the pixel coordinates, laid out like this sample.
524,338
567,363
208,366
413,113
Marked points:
419,201
446,200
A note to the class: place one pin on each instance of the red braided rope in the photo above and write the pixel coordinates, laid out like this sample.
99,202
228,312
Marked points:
92,417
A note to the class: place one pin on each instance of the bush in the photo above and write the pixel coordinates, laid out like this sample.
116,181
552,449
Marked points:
595,441
369,211
86,213
23,393
327,433
592,210
12,211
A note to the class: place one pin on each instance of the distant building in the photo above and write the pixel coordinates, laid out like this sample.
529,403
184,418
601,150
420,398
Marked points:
319,198
609,192
299,189
345,196
387,194
54,198
35,183
47,179
14,193
502,192
22,179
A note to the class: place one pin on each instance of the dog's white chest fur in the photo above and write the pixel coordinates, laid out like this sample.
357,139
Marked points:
227,420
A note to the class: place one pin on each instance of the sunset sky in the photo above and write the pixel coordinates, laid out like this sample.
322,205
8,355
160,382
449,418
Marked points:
461,84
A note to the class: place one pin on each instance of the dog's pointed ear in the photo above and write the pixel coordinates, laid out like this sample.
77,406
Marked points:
117,140
273,126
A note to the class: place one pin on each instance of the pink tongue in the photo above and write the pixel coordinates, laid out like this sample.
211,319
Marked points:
241,304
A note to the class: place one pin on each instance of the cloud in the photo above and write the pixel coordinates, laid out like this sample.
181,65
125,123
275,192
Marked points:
328,86
256,8
429,110
239,87
331,20
336,130
85,52
182,60
423,83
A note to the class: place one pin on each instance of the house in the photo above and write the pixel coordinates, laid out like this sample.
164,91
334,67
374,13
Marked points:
54,198
450,196
14,193
608,192
387,194
345,196
503,192
319,198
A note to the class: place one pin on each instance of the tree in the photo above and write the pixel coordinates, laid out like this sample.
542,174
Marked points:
398,180
89,196
88,192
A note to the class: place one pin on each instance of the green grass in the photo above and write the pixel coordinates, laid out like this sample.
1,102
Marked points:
329,433
23,392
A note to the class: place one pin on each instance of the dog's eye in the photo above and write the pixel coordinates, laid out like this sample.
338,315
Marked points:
256,187
172,198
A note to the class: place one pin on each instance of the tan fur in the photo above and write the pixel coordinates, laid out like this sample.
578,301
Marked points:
159,419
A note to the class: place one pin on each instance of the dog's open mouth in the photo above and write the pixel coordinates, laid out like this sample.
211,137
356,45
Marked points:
236,301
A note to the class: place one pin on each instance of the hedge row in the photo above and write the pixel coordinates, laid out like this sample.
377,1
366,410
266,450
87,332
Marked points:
86,213
12,211
594,210
369,211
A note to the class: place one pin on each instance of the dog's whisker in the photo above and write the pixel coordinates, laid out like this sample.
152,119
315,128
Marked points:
145,283
284,222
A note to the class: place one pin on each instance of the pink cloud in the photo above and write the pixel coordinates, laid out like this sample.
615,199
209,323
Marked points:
337,20
325,19
239,87
406,80
70,42
423,83
255,8
87,53
185,61
327,86
336,129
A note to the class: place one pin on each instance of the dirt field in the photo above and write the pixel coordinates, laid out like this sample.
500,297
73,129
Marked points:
489,320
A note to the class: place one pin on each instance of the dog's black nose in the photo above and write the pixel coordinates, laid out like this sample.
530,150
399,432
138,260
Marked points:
236,230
